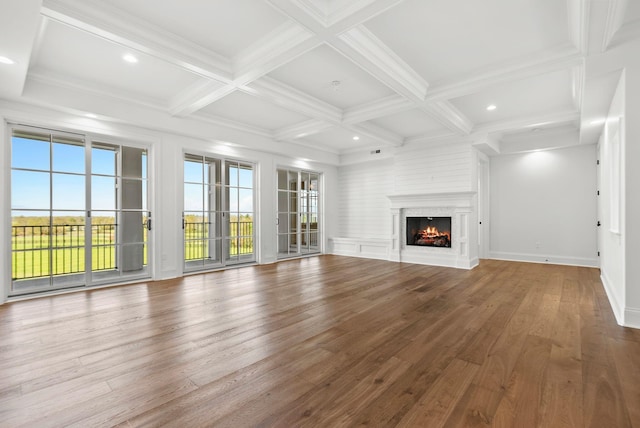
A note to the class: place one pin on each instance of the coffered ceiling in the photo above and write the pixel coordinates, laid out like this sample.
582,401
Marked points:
335,77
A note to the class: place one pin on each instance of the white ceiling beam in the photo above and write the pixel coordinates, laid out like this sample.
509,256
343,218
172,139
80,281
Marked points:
376,133
383,107
356,12
18,31
546,62
448,115
288,97
334,18
105,21
366,50
197,96
578,86
615,19
281,46
578,15
529,122
357,43
302,130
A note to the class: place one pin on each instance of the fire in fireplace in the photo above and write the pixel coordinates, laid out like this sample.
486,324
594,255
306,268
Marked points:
429,231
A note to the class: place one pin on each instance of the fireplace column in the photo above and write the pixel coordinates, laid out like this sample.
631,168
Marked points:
396,234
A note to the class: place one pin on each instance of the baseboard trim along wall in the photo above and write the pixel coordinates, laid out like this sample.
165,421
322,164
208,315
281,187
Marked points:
551,259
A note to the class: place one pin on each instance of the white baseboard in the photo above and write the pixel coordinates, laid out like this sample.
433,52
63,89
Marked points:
551,259
616,306
632,317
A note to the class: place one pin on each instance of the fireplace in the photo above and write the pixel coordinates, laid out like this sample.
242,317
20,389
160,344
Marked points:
429,231
428,210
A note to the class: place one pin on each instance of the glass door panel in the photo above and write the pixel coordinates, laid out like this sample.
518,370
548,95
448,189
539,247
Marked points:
218,212
48,188
120,219
297,228
79,211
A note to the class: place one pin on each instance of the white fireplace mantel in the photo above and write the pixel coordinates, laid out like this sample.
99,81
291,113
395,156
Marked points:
458,205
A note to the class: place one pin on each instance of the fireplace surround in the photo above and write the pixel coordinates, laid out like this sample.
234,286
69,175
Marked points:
458,206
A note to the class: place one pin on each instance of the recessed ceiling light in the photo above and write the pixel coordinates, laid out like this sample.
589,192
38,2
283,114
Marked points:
130,58
5,60
491,107
356,138
91,116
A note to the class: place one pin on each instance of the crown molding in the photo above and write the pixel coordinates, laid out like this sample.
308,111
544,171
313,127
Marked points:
614,21
288,97
378,108
301,130
448,115
107,22
528,122
65,82
628,32
369,52
578,12
560,58
578,85
282,45
431,137
376,133
228,123
311,8
197,96
357,12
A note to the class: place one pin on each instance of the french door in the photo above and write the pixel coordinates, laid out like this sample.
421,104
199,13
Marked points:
79,211
298,198
218,215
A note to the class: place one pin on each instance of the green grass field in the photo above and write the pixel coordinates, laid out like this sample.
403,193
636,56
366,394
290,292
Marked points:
36,256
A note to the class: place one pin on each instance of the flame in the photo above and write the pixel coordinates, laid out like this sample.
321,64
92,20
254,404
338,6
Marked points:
432,232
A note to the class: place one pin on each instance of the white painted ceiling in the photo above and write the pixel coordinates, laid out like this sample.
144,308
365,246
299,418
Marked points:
314,74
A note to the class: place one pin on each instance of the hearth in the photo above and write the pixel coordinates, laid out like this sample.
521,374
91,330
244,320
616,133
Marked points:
429,231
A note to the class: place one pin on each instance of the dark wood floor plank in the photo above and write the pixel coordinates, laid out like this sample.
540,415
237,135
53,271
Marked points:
325,341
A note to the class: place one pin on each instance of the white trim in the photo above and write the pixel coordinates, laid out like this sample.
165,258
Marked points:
448,115
109,23
383,63
286,96
616,307
381,107
368,248
549,259
632,317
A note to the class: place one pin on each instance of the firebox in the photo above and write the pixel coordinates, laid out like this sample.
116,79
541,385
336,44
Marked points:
429,231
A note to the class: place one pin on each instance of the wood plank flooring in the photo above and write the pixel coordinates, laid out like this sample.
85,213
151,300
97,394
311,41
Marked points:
324,342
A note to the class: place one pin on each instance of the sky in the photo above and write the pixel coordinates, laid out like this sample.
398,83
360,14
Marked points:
32,184
32,161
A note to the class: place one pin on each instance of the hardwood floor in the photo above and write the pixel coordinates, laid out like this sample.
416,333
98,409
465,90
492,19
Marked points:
323,342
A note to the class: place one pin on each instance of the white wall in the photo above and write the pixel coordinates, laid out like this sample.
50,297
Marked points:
621,253
433,169
612,250
543,206
166,152
631,189
413,169
362,199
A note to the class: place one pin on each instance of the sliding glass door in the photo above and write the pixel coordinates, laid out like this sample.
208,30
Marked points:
78,209
218,214
298,198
